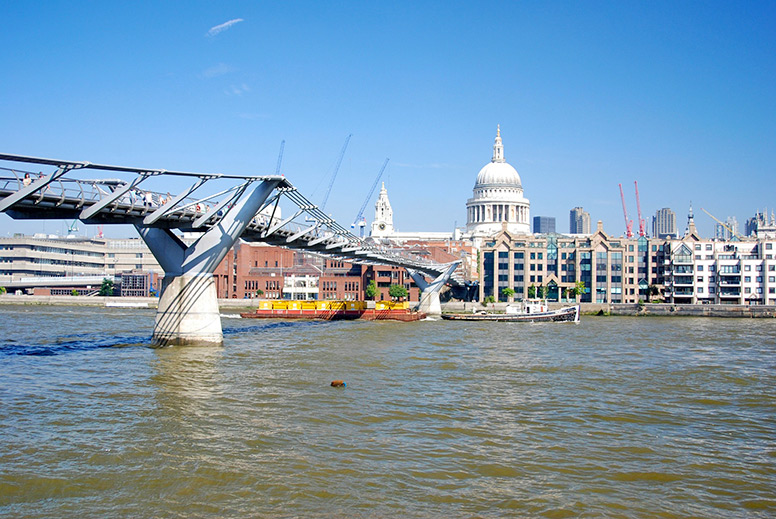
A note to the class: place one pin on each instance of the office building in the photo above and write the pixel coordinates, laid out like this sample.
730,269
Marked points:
579,221
664,224
543,224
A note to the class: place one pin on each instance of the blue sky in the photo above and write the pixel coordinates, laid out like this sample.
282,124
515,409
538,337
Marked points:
680,96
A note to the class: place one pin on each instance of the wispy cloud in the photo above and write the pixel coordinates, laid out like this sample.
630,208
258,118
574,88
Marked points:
224,26
237,90
217,70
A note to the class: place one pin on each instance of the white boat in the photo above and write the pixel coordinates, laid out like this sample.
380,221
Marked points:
531,311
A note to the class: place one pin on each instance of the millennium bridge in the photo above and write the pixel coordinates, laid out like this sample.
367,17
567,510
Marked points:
227,207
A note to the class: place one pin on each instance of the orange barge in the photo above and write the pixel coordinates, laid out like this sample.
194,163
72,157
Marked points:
335,310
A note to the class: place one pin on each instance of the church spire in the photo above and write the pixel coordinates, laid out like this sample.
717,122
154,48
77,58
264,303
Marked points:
498,148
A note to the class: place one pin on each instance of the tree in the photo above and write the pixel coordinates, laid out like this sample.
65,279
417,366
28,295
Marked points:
397,291
371,290
489,299
508,292
2,291
653,291
259,292
545,291
74,292
532,291
579,288
106,289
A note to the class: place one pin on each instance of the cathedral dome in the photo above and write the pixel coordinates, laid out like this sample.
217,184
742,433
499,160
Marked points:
498,174
497,200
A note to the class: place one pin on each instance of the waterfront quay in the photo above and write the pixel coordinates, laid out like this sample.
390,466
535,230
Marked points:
590,309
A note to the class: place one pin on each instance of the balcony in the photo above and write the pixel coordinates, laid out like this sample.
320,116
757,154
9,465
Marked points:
730,294
729,282
680,292
682,281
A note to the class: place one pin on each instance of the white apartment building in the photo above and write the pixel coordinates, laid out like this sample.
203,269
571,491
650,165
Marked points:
720,272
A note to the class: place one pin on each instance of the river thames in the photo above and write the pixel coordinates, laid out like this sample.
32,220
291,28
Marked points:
612,417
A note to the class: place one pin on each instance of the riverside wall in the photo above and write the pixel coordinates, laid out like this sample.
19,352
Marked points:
127,302
647,309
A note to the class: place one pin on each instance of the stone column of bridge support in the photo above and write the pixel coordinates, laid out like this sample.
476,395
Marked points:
429,292
188,307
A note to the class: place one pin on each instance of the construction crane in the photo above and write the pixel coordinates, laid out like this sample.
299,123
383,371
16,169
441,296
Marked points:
642,223
360,221
628,223
336,169
723,224
280,156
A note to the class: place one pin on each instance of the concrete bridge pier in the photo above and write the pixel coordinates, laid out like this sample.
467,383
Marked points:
429,292
188,313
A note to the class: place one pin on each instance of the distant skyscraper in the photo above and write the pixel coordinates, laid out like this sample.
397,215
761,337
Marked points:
761,225
543,224
727,231
579,221
664,223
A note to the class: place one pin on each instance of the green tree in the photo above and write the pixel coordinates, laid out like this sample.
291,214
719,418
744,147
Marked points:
371,290
653,292
397,292
579,288
489,299
532,291
2,291
508,292
259,292
545,290
106,289
74,292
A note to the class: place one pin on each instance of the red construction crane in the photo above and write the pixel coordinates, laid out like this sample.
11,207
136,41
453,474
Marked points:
642,223
628,223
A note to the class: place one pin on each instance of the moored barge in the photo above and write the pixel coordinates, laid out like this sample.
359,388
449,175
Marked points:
335,310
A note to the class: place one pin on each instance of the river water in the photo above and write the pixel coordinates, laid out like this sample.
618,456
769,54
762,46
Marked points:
613,417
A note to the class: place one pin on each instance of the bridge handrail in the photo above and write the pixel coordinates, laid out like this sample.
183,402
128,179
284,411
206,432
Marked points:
337,240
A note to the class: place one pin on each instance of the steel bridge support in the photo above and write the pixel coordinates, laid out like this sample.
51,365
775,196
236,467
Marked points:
188,311
429,292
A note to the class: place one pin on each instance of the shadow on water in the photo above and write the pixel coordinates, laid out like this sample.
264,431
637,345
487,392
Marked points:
73,343
92,341
273,326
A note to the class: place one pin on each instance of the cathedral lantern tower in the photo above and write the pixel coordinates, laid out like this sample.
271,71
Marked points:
497,198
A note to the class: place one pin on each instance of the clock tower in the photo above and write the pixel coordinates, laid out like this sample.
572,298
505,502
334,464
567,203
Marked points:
382,226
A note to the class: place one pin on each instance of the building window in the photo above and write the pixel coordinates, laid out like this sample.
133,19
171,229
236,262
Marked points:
747,268
747,279
700,268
